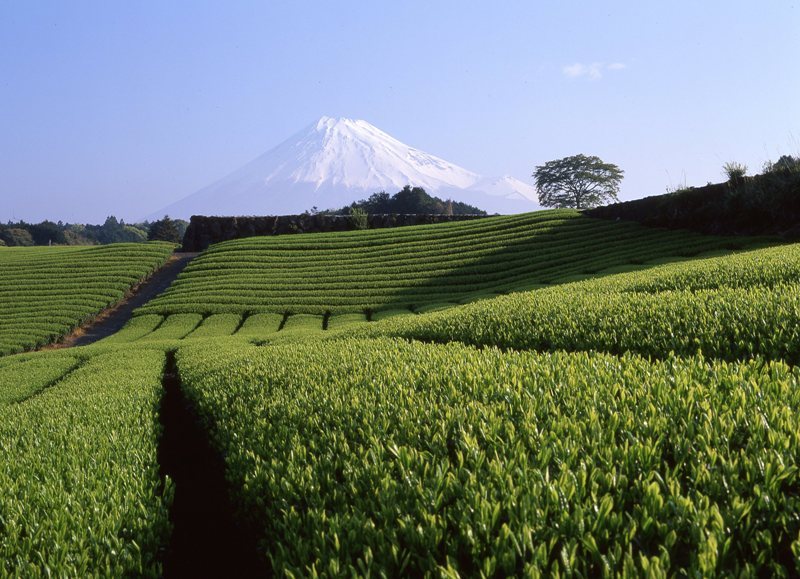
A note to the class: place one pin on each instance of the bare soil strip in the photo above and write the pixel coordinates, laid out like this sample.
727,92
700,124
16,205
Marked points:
113,318
207,539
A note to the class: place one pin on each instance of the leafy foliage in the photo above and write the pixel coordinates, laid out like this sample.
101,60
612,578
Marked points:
765,204
734,171
386,448
784,164
730,307
81,493
410,200
164,229
578,182
16,236
113,230
387,457
358,218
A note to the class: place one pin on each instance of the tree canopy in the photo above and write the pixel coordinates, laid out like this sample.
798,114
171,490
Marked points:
113,230
164,229
409,200
578,182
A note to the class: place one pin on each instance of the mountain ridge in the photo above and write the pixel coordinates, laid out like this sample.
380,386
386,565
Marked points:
336,161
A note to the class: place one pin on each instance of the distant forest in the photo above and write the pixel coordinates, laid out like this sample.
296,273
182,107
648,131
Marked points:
411,200
113,230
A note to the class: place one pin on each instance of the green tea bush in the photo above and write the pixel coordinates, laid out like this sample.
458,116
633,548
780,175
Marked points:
81,492
217,325
389,458
22,379
175,327
45,292
374,270
731,307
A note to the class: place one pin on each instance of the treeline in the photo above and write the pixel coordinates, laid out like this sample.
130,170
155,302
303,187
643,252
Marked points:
410,200
113,230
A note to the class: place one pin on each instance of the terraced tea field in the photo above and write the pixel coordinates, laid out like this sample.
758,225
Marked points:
532,395
730,307
410,268
45,292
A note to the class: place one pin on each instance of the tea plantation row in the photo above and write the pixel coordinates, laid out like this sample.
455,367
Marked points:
409,267
386,457
730,307
387,448
45,292
80,489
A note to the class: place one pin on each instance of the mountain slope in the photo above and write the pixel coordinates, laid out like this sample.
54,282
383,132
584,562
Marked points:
334,162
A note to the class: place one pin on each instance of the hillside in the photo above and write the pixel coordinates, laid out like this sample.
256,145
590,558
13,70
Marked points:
544,394
412,268
47,291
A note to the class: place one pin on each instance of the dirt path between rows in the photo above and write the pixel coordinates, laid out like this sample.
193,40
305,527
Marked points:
111,320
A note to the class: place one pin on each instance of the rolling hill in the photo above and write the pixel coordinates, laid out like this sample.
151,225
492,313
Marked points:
541,394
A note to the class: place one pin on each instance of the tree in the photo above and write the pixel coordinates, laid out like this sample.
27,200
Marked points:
410,200
134,234
378,203
413,200
164,230
46,233
579,182
358,218
16,236
786,164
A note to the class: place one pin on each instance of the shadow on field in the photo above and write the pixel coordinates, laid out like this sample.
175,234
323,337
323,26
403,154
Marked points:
562,252
206,540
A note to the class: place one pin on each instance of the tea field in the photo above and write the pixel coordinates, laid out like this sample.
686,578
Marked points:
45,292
537,395
409,268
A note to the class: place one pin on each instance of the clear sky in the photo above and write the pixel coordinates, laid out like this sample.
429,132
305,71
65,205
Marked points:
111,107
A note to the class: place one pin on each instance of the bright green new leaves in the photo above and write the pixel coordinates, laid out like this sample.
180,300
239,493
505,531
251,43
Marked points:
259,326
175,327
136,328
21,379
217,325
79,473
397,458
45,292
367,454
730,307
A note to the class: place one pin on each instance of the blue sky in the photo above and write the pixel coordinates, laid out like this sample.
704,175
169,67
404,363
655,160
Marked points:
121,108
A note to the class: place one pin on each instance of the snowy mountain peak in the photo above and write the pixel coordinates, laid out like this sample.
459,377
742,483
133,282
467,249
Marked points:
336,161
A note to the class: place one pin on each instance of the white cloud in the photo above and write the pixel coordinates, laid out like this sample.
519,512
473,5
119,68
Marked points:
592,71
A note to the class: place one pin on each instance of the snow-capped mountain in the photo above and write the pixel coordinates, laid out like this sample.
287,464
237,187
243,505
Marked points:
334,162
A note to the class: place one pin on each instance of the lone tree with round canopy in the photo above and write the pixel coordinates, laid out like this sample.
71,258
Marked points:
578,182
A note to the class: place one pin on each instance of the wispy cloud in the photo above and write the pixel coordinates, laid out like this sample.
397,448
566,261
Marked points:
593,71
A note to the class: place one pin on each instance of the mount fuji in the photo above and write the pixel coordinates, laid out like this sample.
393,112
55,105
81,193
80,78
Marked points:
335,162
